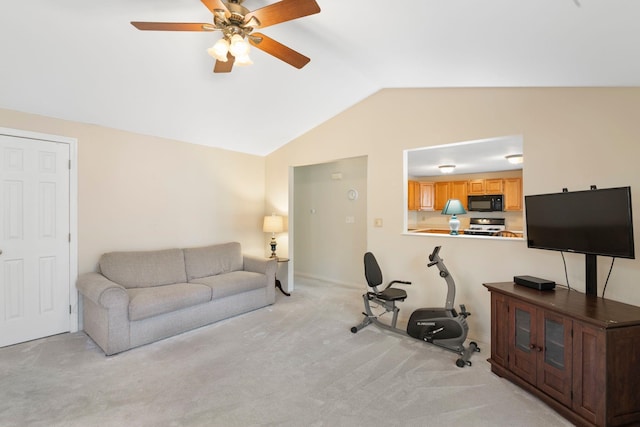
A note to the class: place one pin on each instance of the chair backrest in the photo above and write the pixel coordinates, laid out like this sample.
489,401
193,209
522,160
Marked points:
372,270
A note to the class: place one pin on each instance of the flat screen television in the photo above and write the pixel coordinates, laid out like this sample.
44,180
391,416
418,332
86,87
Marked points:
591,222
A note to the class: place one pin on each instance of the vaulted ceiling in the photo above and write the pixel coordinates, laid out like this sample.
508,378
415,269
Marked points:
82,60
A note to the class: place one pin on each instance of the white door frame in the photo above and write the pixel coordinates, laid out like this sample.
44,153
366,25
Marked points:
73,211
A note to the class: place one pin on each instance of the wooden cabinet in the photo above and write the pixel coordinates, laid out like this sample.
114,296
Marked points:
427,199
493,186
459,191
413,195
446,190
539,349
442,192
577,353
512,194
476,186
420,196
485,186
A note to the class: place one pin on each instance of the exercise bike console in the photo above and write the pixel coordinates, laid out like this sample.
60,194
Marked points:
441,326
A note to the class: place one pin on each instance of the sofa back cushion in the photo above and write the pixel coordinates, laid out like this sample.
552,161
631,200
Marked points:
144,269
213,260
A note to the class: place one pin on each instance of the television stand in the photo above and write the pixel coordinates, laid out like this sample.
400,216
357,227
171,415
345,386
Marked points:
578,353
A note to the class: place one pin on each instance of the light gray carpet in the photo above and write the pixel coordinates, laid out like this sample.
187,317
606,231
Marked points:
292,364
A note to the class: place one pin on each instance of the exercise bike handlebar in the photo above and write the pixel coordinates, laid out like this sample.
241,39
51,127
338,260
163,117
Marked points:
433,256
435,259
397,281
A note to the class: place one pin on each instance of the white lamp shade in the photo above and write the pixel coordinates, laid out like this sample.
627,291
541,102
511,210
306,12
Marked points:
239,46
219,50
243,60
273,224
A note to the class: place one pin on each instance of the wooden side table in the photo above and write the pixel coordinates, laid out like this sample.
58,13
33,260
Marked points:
282,274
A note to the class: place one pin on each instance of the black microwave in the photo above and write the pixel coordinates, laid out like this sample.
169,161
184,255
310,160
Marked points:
485,203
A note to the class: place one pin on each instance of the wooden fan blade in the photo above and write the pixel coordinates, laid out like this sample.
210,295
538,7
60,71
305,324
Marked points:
224,67
172,26
212,5
283,11
278,50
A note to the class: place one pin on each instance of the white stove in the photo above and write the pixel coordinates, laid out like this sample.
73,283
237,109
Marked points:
485,226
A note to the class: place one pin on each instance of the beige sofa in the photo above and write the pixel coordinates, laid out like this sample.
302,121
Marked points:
140,297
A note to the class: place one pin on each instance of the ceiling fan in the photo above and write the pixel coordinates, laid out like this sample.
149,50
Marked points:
237,23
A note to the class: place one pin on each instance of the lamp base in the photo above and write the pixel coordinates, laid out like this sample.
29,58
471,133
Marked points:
273,247
454,225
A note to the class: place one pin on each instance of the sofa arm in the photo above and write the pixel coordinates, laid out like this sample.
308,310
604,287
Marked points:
102,291
266,266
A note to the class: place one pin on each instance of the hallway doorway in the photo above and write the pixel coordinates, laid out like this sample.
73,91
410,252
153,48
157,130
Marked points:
330,220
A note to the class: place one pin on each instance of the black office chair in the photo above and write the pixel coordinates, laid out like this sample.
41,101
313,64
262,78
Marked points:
386,297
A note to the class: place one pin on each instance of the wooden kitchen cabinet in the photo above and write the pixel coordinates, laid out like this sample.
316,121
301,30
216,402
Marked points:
427,199
485,186
420,196
459,191
442,192
493,186
413,195
512,194
446,190
476,186
577,353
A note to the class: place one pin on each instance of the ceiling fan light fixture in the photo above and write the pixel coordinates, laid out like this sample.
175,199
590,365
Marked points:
243,60
239,46
219,50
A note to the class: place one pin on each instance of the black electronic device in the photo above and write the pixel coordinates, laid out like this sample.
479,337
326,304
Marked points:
591,222
534,282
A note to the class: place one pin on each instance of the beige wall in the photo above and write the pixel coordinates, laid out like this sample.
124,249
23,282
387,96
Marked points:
573,137
138,192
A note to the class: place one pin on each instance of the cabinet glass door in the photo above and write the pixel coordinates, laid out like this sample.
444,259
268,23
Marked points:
554,343
523,330
522,354
554,363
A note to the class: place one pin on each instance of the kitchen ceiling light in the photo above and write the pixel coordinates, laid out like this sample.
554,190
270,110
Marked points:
447,168
515,159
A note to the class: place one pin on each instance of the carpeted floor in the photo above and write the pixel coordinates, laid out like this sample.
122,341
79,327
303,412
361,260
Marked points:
292,364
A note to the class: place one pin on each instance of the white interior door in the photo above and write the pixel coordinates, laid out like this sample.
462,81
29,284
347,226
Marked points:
34,239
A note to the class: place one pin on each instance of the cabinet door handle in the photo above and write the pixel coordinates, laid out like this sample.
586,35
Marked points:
535,347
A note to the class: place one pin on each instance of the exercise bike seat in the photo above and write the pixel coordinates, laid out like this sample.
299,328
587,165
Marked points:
373,275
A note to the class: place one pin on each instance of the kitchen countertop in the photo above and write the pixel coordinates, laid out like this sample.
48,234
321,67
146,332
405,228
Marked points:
518,234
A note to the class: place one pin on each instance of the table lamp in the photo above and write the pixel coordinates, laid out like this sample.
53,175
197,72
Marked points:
453,207
273,224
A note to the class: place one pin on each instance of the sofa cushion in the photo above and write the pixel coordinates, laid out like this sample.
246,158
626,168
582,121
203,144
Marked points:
224,285
212,260
148,302
144,269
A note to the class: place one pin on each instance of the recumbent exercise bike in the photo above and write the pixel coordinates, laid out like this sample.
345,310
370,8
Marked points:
443,327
